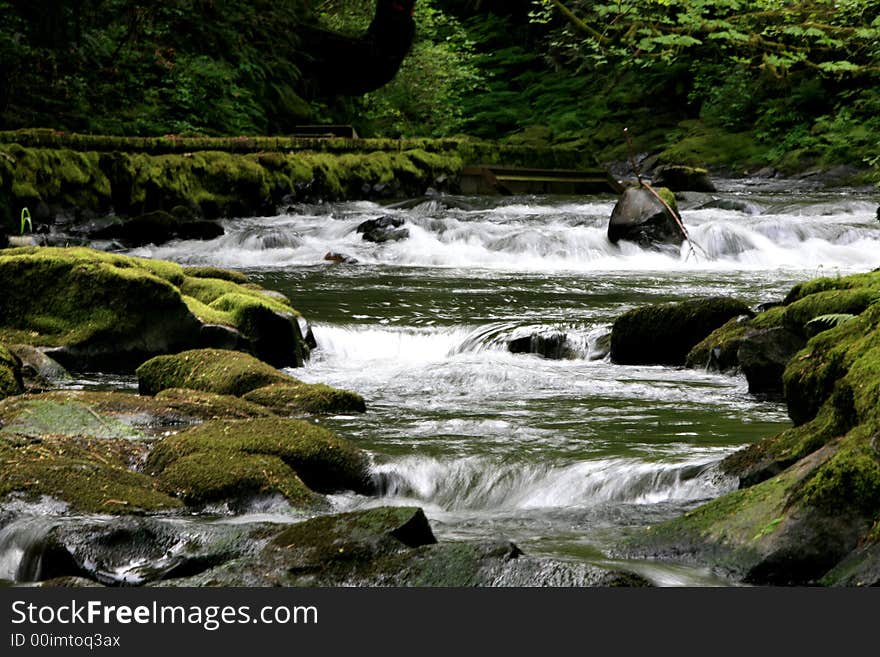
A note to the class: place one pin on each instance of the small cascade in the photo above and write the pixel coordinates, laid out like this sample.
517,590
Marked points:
477,484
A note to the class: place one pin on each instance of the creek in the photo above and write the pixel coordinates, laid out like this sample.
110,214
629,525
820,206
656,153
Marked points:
563,457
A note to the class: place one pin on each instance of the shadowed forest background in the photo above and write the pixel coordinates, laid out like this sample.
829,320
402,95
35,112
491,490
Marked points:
723,83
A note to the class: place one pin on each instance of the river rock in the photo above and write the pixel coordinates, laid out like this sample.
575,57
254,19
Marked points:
157,228
664,334
733,204
552,345
383,229
788,530
340,258
763,356
639,217
394,546
38,371
230,459
679,178
118,551
296,398
808,508
98,311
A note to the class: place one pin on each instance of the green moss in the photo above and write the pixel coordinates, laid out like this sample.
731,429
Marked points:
323,461
316,398
811,375
209,370
824,284
768,457
850,301
214,272
725,339
38,417
850,480
89,475
55,297
666,333
208,405
705,146
217,476
10,374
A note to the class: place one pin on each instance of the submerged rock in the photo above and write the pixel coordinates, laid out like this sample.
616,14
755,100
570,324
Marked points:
664,334
549,345
639,217
383,229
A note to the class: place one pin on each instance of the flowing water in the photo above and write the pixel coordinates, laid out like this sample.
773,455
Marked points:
561,456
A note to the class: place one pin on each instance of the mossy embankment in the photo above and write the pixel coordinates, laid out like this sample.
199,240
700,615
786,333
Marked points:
810,496
54,173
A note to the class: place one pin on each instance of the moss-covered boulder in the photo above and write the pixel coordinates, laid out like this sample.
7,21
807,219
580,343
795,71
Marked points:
209,370
262,455
313,398
10,374
664,334
265,319
232,373
810,502
90,475
101,311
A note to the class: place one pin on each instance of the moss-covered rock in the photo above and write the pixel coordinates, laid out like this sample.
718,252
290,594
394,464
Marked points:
314,398
231,373
101,311
112,312
323,461
89,474
209,370
664,334
223,476
718,350
811,502
10,374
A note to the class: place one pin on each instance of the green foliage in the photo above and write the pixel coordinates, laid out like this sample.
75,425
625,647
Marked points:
427,95
131,67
